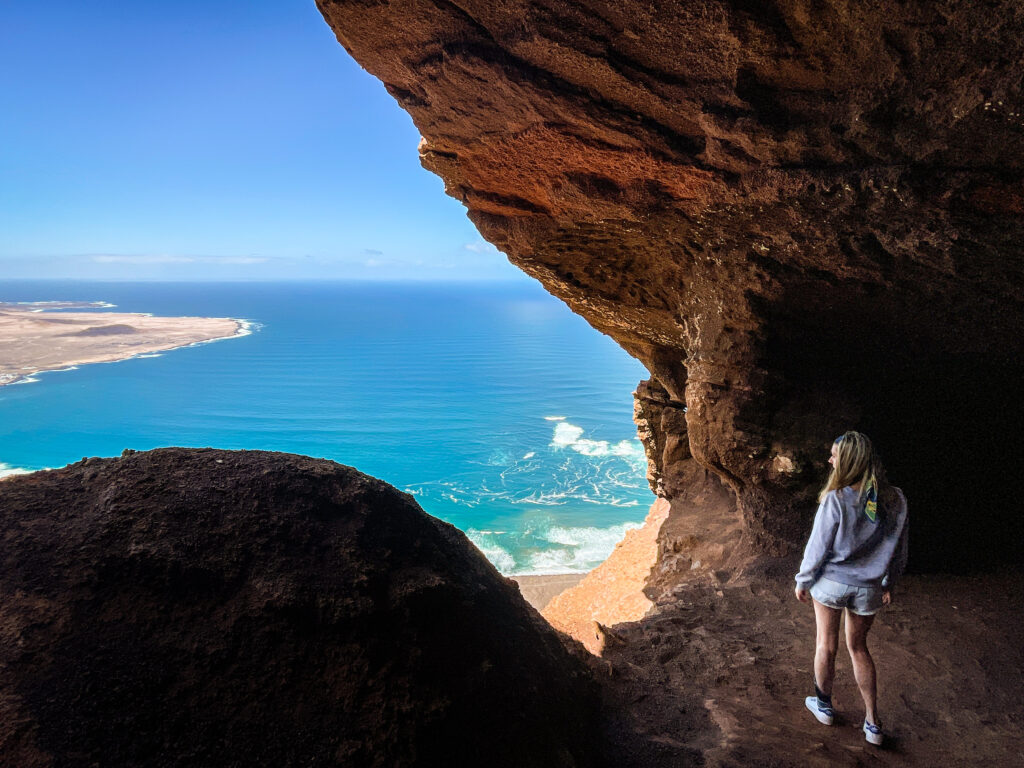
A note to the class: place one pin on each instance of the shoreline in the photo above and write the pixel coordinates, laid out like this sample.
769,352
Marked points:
541,588
612,593
38,340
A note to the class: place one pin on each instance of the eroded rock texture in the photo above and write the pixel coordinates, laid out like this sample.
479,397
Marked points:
207,608
802,216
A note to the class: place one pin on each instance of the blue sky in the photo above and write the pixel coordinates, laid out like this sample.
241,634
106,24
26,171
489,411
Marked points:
208,141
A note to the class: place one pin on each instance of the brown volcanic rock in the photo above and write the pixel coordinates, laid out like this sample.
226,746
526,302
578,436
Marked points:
200,607
801,216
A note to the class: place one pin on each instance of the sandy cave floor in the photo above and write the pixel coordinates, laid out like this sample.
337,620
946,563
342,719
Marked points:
719,678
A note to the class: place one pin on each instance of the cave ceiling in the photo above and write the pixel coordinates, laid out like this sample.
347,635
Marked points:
800,216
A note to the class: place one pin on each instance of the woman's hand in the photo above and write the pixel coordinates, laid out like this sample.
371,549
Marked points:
886,597
803,596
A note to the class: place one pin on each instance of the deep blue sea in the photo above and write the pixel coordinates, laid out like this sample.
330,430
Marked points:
500,410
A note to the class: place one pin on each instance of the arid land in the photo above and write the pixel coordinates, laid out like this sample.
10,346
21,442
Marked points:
34,338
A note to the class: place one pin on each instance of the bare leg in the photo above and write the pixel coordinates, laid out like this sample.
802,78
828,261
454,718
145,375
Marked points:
826,643
863,665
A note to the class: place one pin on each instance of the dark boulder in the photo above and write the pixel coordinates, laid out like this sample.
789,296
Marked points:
204,608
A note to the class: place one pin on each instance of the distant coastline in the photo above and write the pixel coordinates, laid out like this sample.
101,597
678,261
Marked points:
500,410
47,336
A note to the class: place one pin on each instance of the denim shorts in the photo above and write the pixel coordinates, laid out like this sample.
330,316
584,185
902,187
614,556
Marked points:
864,601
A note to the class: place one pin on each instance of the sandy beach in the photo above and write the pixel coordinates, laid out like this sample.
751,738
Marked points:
538,590
34,338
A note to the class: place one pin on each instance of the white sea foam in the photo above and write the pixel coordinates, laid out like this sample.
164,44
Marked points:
500,557
566,435
604,448
36,374
543,498
579,549
554,418
6,470
146,357
246,327
571,471
590,537
547,548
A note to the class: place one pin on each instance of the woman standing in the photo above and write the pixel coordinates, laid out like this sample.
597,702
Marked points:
856,552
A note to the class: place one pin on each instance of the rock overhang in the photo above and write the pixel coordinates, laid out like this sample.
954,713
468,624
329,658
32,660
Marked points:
801,217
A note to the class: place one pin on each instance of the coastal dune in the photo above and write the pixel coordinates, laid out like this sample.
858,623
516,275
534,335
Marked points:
34,340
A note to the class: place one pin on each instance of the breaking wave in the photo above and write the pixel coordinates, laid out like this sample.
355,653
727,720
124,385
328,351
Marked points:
6,470
548,548
541,493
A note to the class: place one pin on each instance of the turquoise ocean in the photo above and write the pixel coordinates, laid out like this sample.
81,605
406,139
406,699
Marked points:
500,410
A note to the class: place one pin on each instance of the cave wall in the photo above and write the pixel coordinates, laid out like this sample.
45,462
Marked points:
801,216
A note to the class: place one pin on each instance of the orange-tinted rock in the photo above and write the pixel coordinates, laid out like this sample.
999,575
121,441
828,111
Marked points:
613,592
801,217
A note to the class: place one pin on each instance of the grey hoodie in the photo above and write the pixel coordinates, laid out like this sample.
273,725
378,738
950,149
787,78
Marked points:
845,546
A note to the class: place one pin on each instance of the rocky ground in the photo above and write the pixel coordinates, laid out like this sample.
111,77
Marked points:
718,677
200,607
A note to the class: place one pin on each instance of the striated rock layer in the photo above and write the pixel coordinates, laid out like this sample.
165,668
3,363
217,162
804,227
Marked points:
801,216
200,607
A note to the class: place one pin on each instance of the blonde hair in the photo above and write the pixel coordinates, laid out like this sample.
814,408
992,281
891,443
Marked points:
855,463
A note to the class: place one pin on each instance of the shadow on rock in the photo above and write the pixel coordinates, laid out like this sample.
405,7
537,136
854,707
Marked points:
203,607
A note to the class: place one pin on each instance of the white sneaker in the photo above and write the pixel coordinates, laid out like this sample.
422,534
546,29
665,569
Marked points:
873,733
824,714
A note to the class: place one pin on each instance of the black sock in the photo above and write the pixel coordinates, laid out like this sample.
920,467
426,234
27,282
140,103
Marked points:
822,698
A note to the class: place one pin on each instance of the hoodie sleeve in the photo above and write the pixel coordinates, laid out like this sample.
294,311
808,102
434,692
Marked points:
826,523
